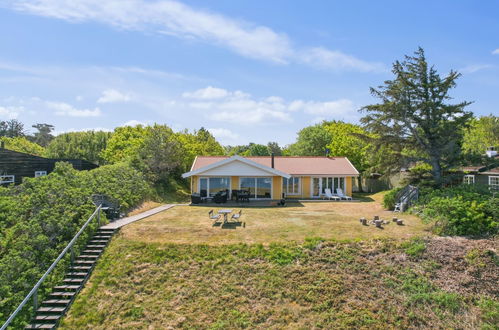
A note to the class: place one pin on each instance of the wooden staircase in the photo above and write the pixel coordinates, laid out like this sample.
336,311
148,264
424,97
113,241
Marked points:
58,302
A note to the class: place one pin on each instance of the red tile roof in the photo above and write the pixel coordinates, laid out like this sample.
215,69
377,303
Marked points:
292,165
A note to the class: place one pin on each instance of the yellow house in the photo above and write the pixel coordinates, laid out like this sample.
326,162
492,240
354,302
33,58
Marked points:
270,177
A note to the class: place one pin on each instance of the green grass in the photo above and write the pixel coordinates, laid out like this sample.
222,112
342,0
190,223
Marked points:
314,284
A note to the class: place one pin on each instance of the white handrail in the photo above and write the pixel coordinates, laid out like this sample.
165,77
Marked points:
61,255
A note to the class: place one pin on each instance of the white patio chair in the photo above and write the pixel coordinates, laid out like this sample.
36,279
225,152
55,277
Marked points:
340,193
329,195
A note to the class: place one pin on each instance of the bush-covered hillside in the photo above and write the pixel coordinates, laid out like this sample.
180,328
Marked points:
39,217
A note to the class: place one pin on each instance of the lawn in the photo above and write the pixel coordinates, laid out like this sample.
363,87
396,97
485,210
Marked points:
295,222
174,270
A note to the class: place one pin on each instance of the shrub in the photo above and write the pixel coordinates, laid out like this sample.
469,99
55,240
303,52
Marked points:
389,198
39,217
461,210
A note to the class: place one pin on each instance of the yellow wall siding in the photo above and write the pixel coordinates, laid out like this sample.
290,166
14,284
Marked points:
305,187
276,187
194,184
348,188
234,182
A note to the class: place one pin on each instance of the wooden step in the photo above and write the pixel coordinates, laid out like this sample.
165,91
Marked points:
50,310
106,237
67,287
62,294
92,242
96,251
76,275
89,256
56,302
96,247
69,281
50,325
84,262
47,318
81,268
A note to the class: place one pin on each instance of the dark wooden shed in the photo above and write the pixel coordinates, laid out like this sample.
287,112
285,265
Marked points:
16,165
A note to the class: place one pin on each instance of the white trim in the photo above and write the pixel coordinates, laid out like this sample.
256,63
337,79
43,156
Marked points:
349,162
467,177
344,187
232,159
258,177
299,186
495,185
40,173
208,184
10,179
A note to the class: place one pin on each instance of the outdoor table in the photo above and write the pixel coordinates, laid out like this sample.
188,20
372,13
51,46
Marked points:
225,212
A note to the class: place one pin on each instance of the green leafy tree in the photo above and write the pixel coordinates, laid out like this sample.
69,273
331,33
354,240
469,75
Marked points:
124,143
43,135
311,141
347,141
21,144
80,145
414,115
482,133
255,149
11,128
198,143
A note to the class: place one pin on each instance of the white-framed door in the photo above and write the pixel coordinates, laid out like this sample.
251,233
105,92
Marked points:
320,183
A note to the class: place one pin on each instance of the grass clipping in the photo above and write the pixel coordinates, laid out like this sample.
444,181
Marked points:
375,284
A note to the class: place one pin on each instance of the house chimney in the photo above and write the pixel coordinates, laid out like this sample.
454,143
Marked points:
272,160
491,152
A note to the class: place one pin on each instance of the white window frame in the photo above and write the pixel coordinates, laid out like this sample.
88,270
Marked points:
7,178
496,184
469,179
208,184
40,173
258,177
344,188
287,186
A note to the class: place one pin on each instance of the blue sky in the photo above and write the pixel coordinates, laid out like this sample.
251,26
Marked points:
249,71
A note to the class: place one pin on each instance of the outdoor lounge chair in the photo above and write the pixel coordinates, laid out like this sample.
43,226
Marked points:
340,193
214,216
330,196
237,215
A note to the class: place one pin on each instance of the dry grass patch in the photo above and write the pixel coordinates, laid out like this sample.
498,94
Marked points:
380,284
336,220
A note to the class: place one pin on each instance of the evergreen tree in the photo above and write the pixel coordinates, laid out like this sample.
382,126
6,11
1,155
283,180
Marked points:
414,117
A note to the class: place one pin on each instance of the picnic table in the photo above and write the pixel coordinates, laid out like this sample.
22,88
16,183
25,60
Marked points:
225,212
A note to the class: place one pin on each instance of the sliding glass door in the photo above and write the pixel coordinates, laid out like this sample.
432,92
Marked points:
258,187
320,184
210,186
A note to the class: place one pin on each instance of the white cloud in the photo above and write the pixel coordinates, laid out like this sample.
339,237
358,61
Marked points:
207,93
134,123
495,52
240,108
182,21
475,67
113,96
340,107
65,109
10,112
223,133
336,60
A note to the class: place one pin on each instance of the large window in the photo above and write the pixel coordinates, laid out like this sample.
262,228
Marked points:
210,186
258,187
469,179
319,185
494,182
291,186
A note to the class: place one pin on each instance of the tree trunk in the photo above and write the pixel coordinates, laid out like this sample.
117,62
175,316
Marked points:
359,180
436,170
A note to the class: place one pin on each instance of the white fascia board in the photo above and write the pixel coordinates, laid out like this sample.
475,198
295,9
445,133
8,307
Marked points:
238,158
348,160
